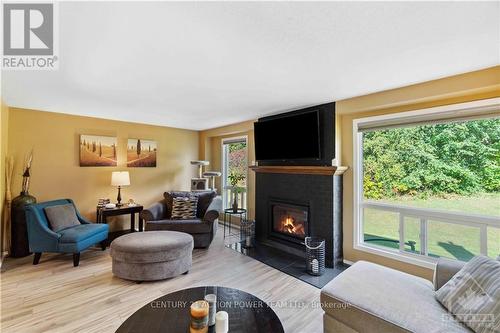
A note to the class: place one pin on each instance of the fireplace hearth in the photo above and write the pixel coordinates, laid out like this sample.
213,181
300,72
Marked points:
289,221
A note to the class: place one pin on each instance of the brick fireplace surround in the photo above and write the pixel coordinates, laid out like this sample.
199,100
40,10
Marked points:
322,194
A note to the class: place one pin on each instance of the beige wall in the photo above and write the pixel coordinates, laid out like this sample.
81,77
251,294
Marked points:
456,89
56,173
210,149
4,120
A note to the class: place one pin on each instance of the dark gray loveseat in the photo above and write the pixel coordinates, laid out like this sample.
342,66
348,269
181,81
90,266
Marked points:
203,228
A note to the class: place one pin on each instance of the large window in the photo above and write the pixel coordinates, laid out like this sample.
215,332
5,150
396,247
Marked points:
428,185
234,171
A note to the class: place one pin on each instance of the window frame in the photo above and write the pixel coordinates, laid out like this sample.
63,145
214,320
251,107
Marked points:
224,184
454,112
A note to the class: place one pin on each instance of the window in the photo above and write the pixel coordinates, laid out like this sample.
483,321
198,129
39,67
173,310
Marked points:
234,171
427,183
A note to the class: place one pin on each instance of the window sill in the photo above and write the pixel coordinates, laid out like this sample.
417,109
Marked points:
416,260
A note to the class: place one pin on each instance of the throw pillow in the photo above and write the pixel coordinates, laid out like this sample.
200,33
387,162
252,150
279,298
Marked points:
204,200
61,217
169,200
473,295
184,208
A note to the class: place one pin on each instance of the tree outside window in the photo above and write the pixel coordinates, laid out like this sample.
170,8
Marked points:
237,164
449,167
235,170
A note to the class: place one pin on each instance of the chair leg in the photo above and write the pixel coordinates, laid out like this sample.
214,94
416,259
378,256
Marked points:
76,259
103,245
37,257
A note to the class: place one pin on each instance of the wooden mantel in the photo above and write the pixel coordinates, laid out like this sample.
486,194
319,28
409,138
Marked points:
304,170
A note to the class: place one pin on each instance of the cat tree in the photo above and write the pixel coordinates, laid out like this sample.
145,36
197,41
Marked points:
201,183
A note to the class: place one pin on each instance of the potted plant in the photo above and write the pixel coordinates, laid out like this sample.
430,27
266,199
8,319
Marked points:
234,178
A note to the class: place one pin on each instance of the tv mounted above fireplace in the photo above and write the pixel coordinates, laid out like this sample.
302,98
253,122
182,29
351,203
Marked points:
303,137
289,137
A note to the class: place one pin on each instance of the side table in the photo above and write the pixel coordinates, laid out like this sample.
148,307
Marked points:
240,212
103,213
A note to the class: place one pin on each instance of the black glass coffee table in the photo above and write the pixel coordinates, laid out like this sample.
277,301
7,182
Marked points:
170,313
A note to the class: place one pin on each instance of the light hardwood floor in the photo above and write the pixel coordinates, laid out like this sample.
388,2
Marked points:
57,297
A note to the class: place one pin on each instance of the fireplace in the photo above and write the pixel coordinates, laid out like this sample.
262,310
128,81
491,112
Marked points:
315,203
290,221
297,198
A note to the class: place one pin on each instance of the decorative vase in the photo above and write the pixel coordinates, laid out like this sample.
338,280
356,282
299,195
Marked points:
19,231
235,202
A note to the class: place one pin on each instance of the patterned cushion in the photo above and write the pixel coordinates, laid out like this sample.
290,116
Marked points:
204,200
169,198
473,295
184,208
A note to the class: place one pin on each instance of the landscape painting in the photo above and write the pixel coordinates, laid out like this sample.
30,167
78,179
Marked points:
141,153
97,150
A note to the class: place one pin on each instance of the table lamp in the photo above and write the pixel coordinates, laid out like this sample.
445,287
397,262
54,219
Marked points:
119,178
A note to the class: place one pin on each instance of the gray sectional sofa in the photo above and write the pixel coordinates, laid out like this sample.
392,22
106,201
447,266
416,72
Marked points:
371,298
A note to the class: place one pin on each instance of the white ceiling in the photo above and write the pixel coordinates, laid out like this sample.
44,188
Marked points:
203,65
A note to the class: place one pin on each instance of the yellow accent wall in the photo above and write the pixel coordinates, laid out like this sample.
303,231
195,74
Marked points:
4,121
56,173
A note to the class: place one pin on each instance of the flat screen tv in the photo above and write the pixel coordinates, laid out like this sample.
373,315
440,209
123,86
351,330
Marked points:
294,137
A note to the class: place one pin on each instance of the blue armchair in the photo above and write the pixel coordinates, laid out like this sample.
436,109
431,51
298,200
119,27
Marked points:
70,240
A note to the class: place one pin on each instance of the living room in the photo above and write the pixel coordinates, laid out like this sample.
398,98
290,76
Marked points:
248,167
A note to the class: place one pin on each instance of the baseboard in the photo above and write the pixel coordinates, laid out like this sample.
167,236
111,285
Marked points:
2,257
348,262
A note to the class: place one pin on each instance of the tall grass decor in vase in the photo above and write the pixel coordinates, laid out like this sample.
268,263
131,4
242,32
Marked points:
6,231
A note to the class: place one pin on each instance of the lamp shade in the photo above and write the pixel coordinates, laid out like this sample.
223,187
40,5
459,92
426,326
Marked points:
120,178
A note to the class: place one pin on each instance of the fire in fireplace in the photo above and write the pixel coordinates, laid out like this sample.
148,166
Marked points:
289,225
290,221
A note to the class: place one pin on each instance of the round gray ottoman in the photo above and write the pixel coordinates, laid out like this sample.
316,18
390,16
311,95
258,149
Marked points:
151,255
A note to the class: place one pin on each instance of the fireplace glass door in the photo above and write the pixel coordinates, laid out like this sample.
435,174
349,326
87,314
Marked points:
290,220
